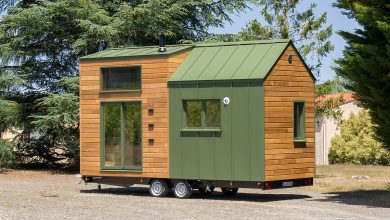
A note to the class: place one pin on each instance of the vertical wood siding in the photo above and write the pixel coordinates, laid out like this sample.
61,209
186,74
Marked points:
285,84
155,73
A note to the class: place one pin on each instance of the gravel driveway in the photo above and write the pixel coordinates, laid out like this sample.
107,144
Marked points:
41,195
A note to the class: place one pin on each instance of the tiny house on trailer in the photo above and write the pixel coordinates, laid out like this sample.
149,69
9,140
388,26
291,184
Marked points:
187,117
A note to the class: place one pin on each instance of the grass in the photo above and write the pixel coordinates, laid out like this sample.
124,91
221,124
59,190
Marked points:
337,180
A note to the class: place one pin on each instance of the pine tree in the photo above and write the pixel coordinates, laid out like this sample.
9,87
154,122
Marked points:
366,60
42,40
283,20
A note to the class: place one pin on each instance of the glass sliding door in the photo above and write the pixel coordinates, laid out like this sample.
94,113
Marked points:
112,135
121,136
132,117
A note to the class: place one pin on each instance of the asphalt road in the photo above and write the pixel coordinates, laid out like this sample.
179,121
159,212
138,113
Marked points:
40,195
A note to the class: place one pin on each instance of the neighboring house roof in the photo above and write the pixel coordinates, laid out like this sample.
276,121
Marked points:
132,52
345,97
227,61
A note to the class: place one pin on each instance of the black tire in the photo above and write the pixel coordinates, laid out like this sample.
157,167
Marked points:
182,190
203,191
229,191
158,188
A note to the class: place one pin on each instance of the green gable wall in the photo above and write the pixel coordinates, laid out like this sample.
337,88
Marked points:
237,152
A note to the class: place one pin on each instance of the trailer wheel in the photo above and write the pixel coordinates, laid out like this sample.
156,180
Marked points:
229,191
206,190
158,188
182,190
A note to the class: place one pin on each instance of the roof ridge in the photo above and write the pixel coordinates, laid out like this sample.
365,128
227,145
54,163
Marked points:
150,46
203,44
235,43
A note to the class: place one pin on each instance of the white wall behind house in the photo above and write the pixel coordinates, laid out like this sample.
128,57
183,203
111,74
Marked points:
327,128
8,135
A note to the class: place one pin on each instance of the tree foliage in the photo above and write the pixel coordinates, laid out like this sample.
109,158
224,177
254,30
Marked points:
7,156
328,106
331,86
356,143
366,60
42,40
283,20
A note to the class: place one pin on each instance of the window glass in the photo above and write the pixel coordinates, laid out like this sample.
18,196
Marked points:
122,135
193,113
299,120
112,128
121,78
132,117
213,113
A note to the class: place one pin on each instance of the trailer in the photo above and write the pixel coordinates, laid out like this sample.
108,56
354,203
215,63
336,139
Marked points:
196,117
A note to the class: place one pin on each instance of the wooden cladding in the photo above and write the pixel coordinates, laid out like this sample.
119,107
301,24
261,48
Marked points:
288,83
154,103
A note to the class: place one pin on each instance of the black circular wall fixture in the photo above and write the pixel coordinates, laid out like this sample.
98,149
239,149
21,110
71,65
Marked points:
290,59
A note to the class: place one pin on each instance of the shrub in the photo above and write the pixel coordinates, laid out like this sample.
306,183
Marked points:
7,156
356,143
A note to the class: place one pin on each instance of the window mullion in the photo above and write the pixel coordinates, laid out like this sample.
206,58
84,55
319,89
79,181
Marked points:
122,150
203,114
298,119
303,124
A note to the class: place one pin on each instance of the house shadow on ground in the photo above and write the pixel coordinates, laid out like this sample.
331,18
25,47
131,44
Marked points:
247,197
368,198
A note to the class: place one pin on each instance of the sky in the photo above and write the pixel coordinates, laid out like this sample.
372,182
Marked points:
335,18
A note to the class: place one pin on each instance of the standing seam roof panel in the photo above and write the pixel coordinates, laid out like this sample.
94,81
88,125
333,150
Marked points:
188,62
135,52
254,58
201,63
210,63
216,64
128,52
231,61
234,62
269,60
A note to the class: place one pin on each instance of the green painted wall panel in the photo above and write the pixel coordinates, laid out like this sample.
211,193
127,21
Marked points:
189,91
189,154
206,90
240,138
256,133
223,147
235,153
206,155
175,126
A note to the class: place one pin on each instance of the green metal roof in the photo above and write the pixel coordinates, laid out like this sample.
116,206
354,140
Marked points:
230,61
132,52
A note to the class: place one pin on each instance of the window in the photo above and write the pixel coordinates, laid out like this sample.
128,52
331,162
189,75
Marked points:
202,113
25,135
121,130
299,121
213,113
193,113
121,78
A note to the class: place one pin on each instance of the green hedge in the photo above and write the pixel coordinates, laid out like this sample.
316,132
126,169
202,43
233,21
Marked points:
356,143
7,156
